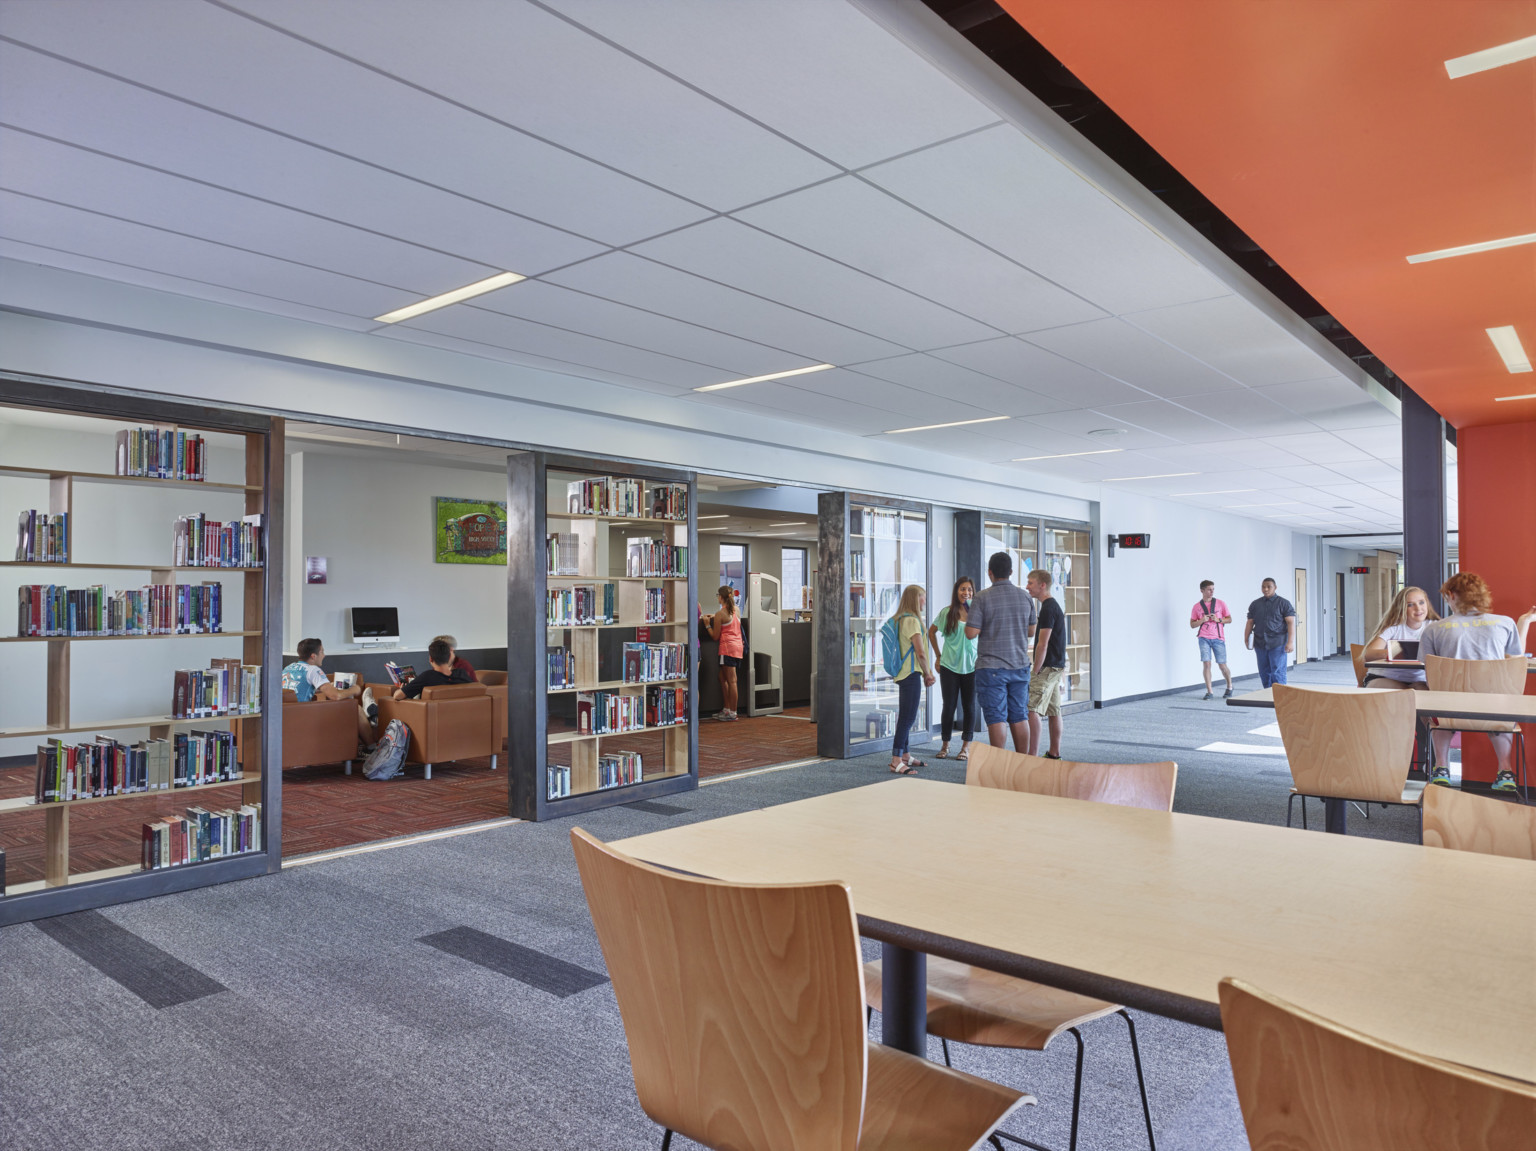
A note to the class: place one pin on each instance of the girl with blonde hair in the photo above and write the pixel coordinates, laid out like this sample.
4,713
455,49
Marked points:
911,676
1404,622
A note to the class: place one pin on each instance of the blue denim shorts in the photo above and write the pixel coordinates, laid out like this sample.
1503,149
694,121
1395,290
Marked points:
1003,693
1213,649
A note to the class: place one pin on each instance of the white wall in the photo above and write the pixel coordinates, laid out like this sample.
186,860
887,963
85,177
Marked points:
372,518
1146,643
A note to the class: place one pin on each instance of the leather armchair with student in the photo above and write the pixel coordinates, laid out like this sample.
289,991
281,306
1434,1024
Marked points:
319,731
449,722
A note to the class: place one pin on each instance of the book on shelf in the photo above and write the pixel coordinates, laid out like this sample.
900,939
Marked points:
616,769
559,778
669,502
562,667
858,605
199,542
650,662
106,767
161,453
225,687
666,706
562,554
200,835
154,609
399,673
857,566
606,712
580,605
658,558
605,496
42,538
655,605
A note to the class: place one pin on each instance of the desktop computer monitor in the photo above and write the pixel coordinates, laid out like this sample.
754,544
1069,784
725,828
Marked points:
375,625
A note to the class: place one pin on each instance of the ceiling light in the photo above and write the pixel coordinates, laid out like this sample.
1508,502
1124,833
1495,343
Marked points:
719,529
1468,249
951,424
1527,396
723,516
1495,57
791,524
1279,504
1064,455
478,288
1507,343
1222,492
1160,476
760,379
1107,433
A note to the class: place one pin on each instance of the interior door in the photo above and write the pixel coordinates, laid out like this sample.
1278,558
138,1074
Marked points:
1343,644
1301,615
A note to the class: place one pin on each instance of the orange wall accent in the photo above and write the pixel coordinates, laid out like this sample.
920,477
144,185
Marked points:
1496,475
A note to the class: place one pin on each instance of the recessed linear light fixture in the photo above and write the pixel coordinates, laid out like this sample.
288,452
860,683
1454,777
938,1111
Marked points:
1527,396
722,516
1279,504
1160,476
1507,343
1222,492
1495,57
478,288
951,424
762,379
1064,455
792,524
1469,249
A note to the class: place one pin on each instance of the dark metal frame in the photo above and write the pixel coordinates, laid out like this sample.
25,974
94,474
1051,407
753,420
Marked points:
527,583
833,646
81,398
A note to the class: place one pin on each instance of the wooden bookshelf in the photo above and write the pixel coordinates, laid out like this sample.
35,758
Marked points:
539,508
261,439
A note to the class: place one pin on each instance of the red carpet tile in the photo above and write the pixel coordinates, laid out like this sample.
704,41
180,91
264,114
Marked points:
752,742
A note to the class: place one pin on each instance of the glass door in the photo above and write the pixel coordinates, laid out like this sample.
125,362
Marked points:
887,550
1065,554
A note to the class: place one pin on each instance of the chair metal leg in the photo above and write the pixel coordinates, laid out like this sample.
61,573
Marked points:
869,1016
944,1043
1290,808
429,771
1077,1088
666,1139
493,763
349,767
1365,811
1303,813
1141,1082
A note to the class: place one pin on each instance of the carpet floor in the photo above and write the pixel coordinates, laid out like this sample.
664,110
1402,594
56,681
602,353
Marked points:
451,993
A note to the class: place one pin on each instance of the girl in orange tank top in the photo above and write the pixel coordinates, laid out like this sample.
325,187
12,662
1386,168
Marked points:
725,627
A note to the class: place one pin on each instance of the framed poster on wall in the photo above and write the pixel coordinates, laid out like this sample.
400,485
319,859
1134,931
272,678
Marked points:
470,531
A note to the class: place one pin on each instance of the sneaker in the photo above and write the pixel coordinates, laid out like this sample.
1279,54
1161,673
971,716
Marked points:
1208,695
1228,695
1442,776
1505,781
370,709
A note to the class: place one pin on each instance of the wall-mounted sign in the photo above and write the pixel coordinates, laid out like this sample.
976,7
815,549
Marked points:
314,569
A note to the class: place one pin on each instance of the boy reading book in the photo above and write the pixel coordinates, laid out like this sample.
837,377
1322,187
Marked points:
307,681
440,655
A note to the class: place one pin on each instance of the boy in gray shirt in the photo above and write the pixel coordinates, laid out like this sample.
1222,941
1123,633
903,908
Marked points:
1001,620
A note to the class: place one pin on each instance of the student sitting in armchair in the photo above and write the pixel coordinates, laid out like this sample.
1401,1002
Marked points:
459,662
440,656
307,681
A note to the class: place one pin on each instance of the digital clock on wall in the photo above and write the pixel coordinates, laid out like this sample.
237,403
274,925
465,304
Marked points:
1130,540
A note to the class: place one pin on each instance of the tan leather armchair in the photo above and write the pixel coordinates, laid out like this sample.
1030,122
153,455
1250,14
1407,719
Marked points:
320,731
449,722
496,686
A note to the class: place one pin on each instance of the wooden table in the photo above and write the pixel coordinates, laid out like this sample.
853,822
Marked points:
1423,947
1448,704
1418,664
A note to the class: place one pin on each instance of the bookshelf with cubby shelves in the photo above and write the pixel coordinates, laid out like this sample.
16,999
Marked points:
601,591
109,512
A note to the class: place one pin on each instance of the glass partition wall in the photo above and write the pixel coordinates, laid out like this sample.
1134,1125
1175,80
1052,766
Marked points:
1064,550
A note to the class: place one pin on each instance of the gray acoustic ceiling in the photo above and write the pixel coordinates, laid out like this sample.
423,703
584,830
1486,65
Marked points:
698,192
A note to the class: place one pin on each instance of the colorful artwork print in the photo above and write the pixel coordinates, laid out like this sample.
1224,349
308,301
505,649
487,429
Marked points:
470,531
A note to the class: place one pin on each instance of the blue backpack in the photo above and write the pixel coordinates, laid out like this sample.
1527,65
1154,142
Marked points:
890,647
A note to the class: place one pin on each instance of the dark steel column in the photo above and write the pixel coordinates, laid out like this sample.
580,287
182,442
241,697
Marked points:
1423,496
969,560
904,999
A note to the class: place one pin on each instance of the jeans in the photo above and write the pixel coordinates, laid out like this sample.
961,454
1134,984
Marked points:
1004,693
1271,664
1213,649
910,695
962,689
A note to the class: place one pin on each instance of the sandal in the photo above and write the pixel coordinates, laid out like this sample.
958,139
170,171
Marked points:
944,752
903,769
963,757
916,763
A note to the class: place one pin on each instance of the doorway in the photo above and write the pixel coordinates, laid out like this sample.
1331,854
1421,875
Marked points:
1342,643
1300,604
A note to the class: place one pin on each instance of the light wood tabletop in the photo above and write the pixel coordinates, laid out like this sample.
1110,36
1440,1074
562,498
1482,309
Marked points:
1448,704
1418,664
1425,948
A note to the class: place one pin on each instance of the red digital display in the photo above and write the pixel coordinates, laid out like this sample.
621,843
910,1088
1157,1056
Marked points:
1359,571
1135,540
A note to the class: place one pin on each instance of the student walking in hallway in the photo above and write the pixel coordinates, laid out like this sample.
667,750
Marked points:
1270,632
1210,617
1050,664
957,666
1002,620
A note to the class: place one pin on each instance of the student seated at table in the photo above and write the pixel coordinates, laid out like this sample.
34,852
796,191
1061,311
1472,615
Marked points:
440,656
1471,631
1404,623
305,678
459,662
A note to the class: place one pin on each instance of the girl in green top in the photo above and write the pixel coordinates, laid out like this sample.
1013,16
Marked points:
910,679
957,665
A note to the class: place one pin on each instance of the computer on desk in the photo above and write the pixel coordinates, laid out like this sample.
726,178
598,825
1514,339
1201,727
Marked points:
378,625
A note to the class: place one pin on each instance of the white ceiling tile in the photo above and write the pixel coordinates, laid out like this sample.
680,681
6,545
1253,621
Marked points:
1168,419
93,111
217,59
1308,474
1365,414
525,66
906,406
642,283
1256,452
1370,472
1010,194
821,73
732,253
1015,361
1247,411
1307,397
1385,443
945,382
854,222
1081,422
1117,349
1318,448
1233,336
778,399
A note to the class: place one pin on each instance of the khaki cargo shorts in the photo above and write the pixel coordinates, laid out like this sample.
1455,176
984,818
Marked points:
1045,691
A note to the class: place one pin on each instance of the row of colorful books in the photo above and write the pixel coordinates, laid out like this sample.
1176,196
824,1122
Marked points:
655,558
559,781
106,767
562,667
607,712
619,768
653,662
200,542
154,609
611,496
655,605
225,687
162,453
42,538
201,835
666,706
562,554
581,605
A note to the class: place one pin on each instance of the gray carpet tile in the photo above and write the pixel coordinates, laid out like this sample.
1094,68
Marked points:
338,1029
515,961
155,976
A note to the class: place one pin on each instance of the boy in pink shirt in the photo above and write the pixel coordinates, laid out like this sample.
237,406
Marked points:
1210,617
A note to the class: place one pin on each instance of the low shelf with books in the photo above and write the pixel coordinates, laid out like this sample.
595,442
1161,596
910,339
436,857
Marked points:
227,534
602,586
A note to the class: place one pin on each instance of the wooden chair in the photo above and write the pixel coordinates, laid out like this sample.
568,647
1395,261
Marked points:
1357,657
1345,746
1489,676
744,1012
1306,1083
972,1005
1464,822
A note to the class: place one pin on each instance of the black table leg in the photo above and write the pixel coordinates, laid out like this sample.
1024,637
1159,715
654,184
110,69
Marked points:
904,999
1335,813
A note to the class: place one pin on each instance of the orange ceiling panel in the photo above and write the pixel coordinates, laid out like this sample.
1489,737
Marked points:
1330,132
